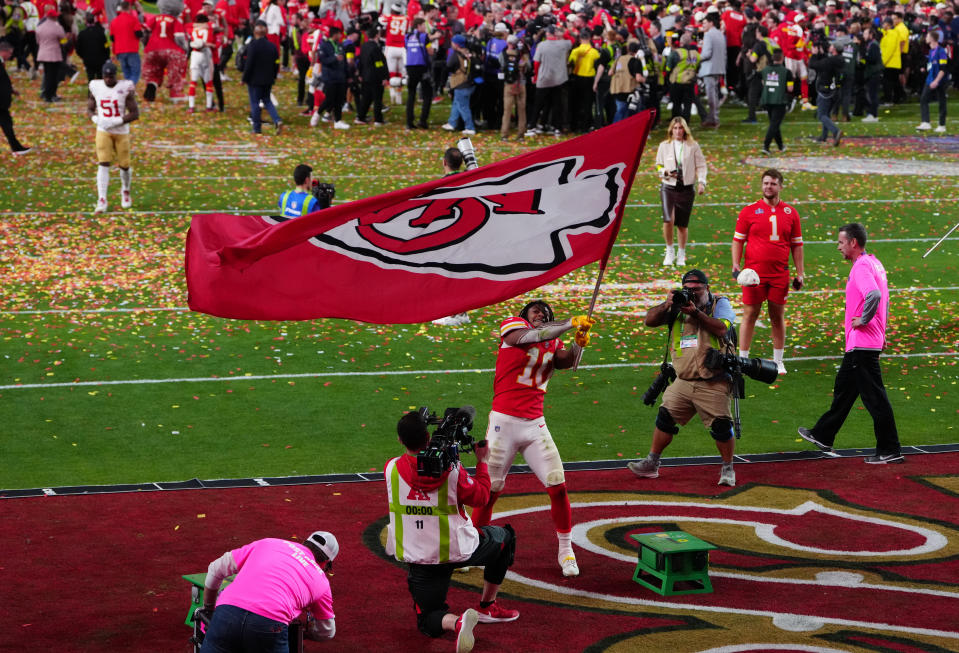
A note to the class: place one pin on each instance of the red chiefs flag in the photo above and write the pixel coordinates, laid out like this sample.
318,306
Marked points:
456,243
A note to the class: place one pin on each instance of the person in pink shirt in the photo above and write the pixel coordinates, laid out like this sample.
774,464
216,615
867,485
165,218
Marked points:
276,582
867,313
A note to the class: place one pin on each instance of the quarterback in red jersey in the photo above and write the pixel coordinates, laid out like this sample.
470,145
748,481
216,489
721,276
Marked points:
529,351
772,230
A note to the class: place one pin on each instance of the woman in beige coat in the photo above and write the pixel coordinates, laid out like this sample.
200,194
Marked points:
682,167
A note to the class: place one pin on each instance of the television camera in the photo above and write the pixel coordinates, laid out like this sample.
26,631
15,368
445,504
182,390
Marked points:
451,437
324,193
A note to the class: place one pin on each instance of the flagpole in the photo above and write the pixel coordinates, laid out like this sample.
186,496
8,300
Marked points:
609,250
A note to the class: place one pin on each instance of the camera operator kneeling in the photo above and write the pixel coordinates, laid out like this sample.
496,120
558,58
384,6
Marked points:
430,529
698,323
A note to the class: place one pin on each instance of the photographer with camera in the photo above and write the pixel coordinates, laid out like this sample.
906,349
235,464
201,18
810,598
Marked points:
430,530
277,582
529,350
308,196
698,324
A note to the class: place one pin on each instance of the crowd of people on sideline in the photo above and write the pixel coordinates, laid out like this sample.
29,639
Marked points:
545,67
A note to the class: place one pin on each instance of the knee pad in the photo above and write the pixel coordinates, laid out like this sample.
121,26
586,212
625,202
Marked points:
497,486
665,422
721,429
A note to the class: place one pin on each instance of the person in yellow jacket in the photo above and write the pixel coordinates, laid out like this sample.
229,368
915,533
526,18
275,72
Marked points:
890,47
682,66
583,61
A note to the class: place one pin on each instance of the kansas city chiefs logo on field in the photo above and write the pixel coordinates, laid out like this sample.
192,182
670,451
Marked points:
509,227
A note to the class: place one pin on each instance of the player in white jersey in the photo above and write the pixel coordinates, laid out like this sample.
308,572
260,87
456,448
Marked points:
201,61
112,106
397,25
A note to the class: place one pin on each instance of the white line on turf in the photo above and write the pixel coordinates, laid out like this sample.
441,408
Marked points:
553,290
323,375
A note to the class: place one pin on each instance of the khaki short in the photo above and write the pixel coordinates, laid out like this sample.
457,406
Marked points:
113,148
708,399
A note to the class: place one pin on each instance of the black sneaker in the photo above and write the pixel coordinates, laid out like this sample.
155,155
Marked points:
807,435
886,459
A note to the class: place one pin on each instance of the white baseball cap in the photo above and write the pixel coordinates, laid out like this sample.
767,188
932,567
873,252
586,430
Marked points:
325,542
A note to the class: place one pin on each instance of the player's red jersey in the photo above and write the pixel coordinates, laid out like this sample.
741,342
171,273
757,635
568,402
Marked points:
162,28
396,30
522,373
770,233
789,36
734,22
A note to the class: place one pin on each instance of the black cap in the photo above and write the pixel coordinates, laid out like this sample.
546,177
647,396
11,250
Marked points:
696,275
109,68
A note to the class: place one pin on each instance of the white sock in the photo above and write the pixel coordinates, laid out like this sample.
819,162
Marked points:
744,353
209,99
565,544
125,176
103,181
191,101
778,355
682,252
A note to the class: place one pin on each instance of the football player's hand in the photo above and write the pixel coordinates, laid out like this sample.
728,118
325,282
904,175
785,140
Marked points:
581,338
797,283
95,120
583,322
481,449
736,272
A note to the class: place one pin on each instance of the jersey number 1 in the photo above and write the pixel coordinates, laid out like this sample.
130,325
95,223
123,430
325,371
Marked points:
536,366
774,236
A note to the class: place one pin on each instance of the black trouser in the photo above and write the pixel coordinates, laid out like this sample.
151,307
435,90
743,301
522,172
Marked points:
418,76
754,91
732,68
218,87
604,106
776,114
302,67
51,79
860,376
335,97
682,97
872,95
6,125
845,97
371,93
581,102
930,94
549,107
891,88
429,584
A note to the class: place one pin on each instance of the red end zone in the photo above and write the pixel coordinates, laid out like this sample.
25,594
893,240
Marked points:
813,555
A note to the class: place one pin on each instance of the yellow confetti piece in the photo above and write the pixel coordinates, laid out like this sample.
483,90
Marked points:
202,515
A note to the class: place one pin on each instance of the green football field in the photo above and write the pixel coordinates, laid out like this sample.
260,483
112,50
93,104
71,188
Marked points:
106,377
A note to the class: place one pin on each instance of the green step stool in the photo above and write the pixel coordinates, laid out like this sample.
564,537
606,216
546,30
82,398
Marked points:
198,586
673,563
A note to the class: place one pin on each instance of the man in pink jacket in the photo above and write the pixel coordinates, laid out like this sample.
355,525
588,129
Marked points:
867,312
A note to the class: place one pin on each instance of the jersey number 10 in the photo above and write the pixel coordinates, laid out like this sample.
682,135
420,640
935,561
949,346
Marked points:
537,368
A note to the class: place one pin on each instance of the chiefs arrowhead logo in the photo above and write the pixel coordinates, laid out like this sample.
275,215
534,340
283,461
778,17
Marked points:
510,227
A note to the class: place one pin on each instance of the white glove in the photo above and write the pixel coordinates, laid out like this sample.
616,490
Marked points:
748,277
96,120
109,123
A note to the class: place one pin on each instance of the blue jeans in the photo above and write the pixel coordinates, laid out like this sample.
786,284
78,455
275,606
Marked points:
236,629
261,94
823,109
130,65
461,107
622,110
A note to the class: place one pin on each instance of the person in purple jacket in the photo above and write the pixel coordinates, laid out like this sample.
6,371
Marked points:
867,313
